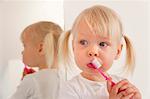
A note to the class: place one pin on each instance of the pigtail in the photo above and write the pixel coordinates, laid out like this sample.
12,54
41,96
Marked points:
49,46
130,57
63,45
63,54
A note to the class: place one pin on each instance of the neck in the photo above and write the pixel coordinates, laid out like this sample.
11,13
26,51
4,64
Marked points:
43,67
42,64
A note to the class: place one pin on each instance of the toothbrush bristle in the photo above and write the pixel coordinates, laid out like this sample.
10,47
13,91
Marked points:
96,63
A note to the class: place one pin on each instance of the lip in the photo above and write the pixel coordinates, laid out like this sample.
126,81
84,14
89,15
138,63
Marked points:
90,65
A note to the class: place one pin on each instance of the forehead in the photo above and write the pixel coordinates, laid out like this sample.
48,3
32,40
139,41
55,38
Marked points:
86,30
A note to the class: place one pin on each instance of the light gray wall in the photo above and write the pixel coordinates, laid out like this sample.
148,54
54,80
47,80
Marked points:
0,55
134,15
148,76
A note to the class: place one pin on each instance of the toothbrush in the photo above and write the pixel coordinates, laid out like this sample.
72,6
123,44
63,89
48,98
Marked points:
96,65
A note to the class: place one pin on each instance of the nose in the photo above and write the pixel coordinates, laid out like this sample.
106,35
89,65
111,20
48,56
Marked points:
93,52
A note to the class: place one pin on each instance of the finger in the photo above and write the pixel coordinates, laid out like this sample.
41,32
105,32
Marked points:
128,96
137,95
130,90
128,84
118,85
120,95
125,86
123,82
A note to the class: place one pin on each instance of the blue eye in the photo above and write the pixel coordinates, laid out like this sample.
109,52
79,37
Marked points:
103,44
83,42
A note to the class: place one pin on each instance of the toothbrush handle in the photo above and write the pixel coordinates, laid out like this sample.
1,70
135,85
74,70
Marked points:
106,77
101,72
113,83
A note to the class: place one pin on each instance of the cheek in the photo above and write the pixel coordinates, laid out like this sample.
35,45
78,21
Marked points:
76,50
79,56
76,55
26,54
107,61
24,57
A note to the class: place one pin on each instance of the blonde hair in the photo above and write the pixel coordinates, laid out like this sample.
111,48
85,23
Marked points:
48,33
105,22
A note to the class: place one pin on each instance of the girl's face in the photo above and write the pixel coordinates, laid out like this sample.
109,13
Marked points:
87,46
30,52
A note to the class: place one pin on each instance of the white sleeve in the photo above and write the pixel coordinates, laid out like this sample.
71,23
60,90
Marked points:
67,92
25,90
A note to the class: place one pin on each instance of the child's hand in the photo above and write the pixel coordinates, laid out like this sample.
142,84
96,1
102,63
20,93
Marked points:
123,90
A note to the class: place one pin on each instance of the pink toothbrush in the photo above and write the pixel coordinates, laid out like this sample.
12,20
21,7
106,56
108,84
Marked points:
96,65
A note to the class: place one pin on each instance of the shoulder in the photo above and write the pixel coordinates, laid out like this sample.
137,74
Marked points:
50,72
44,74
46,78
27,83
25,89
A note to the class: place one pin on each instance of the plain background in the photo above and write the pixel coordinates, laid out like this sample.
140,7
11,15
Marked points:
15,15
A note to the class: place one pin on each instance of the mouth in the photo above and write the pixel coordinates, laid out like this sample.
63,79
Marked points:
90,65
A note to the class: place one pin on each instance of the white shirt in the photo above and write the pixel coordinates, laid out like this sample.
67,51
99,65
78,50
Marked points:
43,84
82,88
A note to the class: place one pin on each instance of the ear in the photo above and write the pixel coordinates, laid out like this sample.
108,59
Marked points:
40,49
119,50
